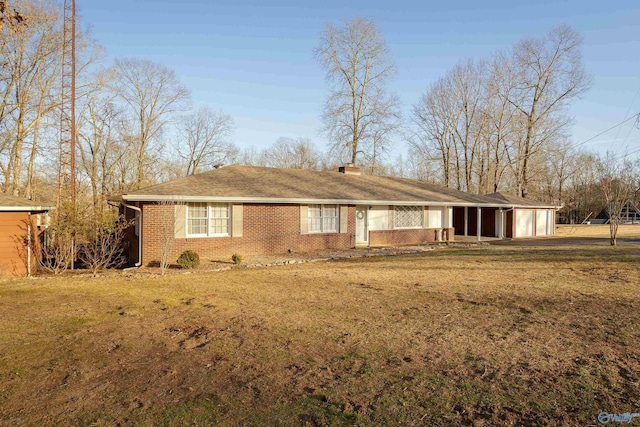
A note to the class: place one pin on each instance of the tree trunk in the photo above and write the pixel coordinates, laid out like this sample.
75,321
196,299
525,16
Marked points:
17,162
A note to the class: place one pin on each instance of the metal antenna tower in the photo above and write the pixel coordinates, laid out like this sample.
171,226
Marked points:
67,168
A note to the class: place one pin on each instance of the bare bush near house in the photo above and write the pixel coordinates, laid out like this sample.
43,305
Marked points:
619,183
166,230
359,110
57,253
104,249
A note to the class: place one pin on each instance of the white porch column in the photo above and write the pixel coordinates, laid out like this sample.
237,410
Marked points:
479,230
500,224
466,220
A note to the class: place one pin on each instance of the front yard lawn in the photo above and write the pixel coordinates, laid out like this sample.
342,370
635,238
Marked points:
494,335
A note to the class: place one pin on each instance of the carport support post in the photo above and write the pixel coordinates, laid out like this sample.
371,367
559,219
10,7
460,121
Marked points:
466,220
479,223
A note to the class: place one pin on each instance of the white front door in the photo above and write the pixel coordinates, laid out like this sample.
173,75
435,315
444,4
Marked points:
362,230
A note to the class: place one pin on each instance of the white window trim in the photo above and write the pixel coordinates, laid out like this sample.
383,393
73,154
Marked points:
322,230
416,227
209,218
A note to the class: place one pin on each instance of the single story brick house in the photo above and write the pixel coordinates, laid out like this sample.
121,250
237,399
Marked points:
21,224
257,210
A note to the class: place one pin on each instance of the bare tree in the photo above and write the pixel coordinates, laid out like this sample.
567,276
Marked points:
488,125
435,116
564,162
451,121
618,183
467,83
152,94
501,116
98,145
204,140
11,18
250,156
358,67
292,153
30,60
549,73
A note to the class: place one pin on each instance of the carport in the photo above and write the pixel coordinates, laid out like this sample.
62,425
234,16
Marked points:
479,221
503,216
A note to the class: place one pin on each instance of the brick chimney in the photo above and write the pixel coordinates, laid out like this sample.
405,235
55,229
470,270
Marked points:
349,169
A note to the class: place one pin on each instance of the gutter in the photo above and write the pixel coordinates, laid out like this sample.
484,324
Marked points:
180,198
31,209
135,208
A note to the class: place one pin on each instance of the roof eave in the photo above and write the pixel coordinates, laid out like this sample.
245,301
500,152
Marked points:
33,209
275,200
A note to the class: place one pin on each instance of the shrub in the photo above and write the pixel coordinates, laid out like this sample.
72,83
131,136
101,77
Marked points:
236,258
105,248
189,259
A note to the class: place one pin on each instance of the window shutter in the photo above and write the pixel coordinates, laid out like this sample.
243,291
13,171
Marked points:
180,221
426,217
344,218
304,219
237,220
391,212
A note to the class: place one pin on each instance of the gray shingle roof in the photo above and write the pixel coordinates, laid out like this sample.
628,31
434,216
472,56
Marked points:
19,204
249,183
515,200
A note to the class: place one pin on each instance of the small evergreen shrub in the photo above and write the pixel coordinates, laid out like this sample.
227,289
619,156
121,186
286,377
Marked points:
236,258
188,259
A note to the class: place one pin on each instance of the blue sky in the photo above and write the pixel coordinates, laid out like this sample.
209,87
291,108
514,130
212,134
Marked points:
254,59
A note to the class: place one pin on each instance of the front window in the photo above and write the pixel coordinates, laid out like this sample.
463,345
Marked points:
408,217
207,219
323,218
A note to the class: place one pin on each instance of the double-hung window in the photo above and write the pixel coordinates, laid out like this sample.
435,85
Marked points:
408,217
323,218
207,219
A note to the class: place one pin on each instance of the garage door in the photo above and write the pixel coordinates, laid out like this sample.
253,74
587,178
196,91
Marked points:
524,222
542,217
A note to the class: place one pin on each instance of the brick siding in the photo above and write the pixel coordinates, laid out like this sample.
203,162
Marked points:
407,236
267,229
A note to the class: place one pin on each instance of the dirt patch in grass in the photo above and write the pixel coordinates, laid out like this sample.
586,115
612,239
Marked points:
492,335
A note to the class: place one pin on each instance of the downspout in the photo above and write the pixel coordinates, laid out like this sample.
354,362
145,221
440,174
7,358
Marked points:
135,208
29,244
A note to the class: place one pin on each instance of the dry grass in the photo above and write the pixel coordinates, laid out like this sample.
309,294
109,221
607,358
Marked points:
597,230
498,335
